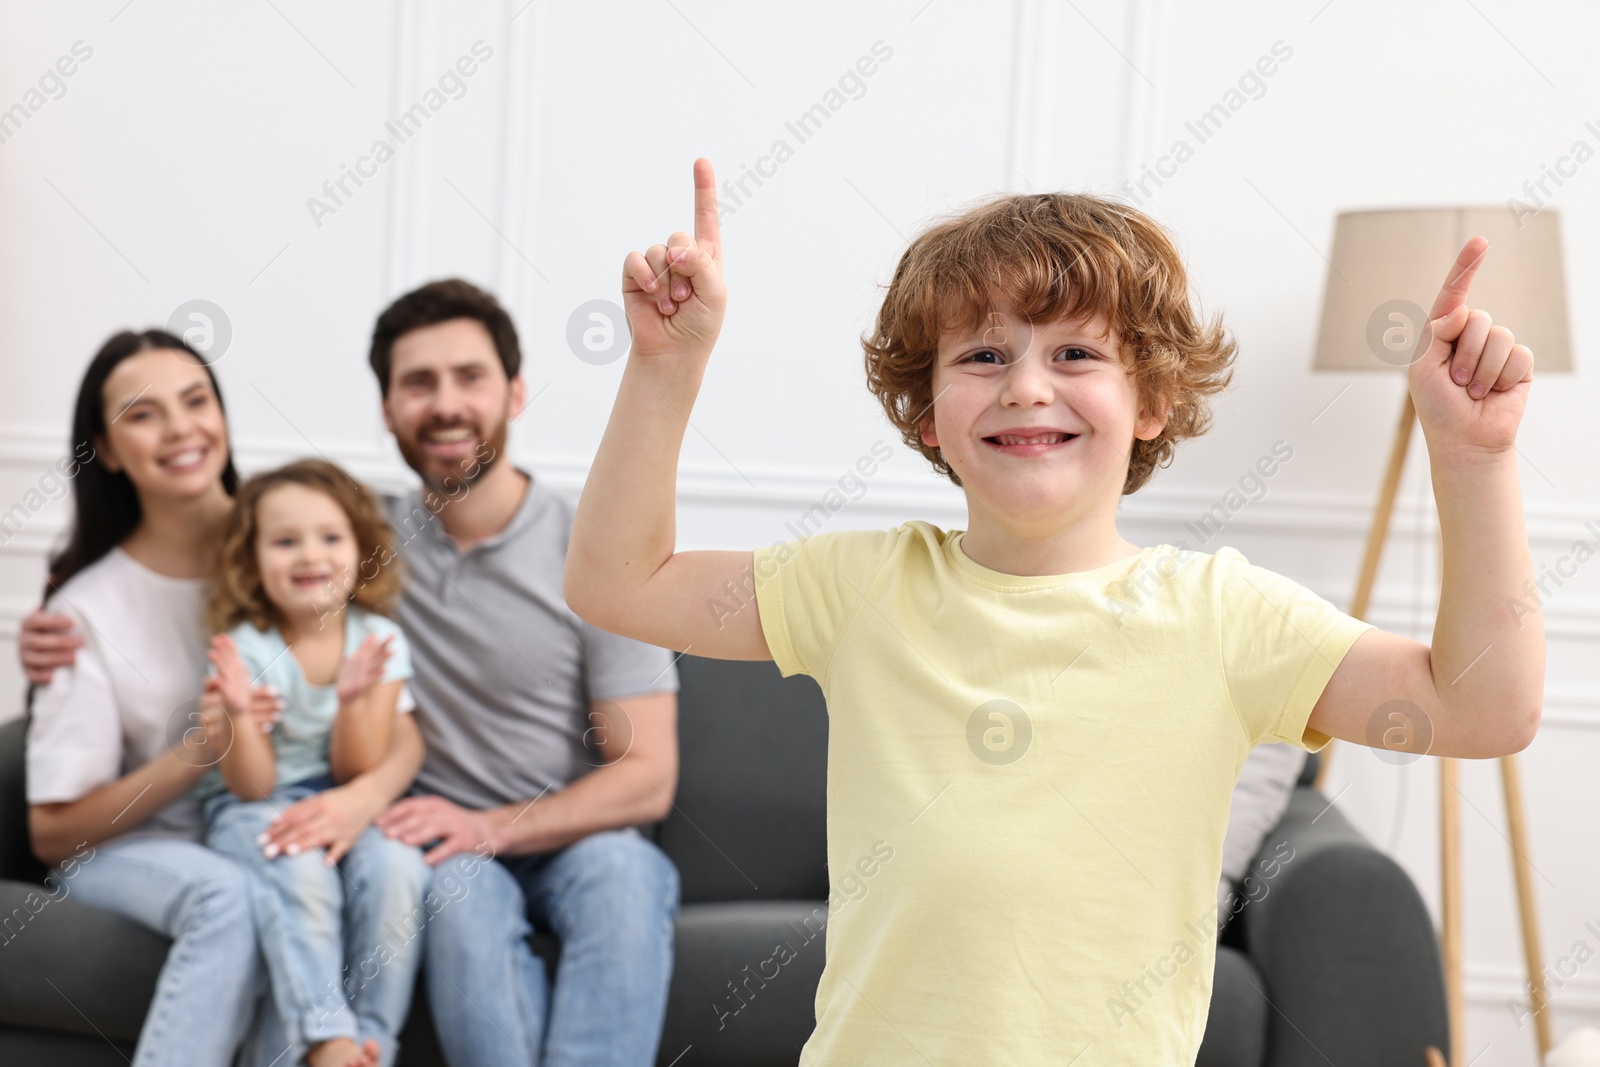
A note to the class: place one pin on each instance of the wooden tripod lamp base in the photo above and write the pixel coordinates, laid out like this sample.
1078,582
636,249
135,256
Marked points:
1450,808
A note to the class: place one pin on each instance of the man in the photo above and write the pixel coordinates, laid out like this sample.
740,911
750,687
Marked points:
549,741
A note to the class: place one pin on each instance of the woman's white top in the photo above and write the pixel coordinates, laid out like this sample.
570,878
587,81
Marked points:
132,693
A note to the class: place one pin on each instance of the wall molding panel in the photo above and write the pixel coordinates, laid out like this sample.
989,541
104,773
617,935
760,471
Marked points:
1027,96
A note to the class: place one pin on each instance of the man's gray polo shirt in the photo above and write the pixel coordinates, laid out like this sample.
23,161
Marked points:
505,671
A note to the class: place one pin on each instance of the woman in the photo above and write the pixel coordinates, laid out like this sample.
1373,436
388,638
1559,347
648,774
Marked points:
118,740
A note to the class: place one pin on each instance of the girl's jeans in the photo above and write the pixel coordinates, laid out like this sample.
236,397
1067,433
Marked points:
341,943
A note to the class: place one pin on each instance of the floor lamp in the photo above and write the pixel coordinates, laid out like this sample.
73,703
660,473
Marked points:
1385,269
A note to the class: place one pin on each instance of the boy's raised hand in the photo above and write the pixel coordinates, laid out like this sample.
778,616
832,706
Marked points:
674,292
1470,379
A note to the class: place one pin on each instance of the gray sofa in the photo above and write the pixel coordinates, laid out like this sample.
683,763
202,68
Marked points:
1341,943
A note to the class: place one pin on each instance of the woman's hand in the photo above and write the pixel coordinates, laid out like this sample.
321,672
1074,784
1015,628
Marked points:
204,744
332,820
266,706
363,668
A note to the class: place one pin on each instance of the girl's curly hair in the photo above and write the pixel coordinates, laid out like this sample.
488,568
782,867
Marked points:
236,594
1050,256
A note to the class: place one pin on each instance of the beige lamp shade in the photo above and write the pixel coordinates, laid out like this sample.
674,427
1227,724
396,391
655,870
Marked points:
1387,267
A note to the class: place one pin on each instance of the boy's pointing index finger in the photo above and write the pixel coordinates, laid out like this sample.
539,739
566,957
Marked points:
707,230
1453,293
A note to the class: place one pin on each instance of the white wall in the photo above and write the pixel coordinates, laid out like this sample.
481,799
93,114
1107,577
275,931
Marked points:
178,163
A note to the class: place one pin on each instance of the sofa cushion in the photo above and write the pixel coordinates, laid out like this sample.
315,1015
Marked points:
73,967
744,983
1236,1029
749,821
62,1049
1308,773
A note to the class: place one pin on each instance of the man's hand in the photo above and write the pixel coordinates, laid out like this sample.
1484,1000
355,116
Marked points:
420,820
331,820
674,293
48,641
1470,379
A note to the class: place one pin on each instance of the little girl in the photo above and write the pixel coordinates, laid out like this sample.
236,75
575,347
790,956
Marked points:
300,601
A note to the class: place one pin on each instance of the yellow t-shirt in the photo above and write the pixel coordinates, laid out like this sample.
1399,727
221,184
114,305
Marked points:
1028,785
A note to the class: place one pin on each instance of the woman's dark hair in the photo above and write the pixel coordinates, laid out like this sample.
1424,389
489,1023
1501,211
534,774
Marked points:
105,504
442,301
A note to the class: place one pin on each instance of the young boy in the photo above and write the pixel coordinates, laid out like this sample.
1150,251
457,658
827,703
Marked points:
1042,720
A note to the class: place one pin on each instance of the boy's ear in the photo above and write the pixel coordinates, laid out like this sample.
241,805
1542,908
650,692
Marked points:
930,436
1149,427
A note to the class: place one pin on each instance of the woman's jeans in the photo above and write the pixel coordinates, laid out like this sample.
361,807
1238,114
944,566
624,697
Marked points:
213,974
609,898
341,943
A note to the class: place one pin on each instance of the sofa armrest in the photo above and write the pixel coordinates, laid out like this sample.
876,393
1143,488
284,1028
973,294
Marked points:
1345,944
16,851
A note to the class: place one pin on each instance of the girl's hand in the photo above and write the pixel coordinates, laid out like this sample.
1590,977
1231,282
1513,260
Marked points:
363,669
209,739
674,293
232,679
1470,380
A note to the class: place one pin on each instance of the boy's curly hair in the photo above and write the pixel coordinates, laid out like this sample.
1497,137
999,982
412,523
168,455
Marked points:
1049,256
236,594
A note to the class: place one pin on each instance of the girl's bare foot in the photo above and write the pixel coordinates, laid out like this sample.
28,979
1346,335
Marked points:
343,1052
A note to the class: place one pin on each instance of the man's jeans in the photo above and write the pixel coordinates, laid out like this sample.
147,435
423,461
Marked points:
213,973
341,943
610,899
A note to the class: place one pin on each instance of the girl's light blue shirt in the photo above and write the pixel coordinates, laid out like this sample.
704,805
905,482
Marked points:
300,739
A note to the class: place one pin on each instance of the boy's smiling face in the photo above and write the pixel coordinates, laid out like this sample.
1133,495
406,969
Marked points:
1065,378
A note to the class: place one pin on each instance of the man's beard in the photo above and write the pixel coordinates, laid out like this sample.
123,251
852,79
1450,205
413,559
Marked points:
449,476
